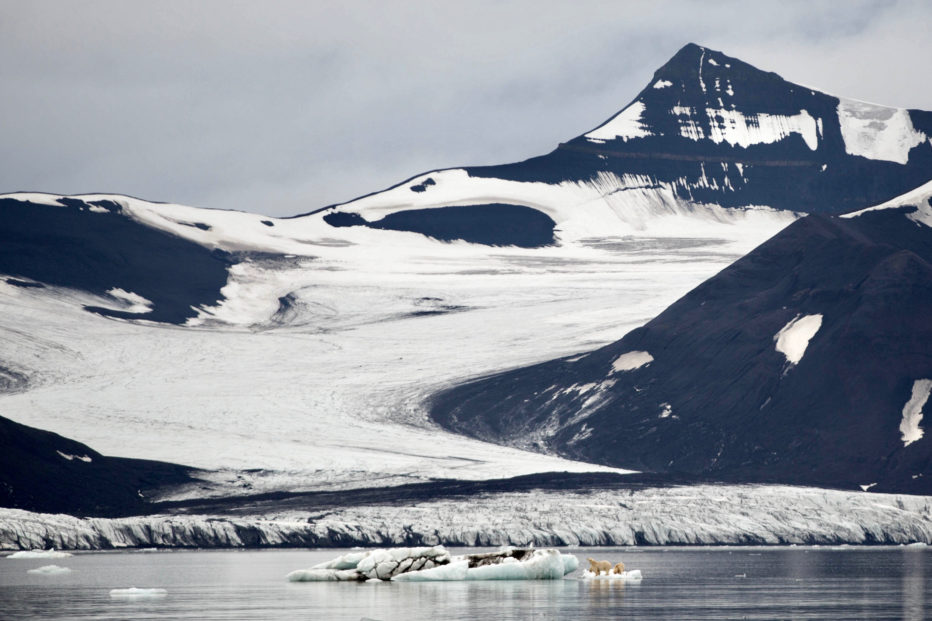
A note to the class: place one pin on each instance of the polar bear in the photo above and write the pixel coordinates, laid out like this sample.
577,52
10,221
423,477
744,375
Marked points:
597,567
619,568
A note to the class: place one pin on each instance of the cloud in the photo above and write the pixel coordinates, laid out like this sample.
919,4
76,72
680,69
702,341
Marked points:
282,107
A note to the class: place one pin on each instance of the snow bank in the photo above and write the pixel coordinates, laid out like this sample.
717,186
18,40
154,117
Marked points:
52,553
793,339
49,570
136,593
912,411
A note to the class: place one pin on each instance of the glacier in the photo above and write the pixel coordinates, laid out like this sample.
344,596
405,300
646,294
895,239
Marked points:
680,515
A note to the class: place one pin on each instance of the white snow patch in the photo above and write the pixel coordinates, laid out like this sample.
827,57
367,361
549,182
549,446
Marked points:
49,570
98,209
793,339
877,132
85,458
626,124
134,303
867,487
52,553
736,128
666,410
631,360
662,84
138,593
712,62
912,411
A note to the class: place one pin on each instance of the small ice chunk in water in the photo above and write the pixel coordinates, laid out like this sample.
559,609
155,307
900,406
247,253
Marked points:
50,553
49,570
136,593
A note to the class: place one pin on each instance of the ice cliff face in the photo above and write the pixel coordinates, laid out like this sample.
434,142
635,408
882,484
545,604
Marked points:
689,515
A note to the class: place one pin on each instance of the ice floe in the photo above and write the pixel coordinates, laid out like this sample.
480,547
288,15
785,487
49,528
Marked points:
49,570
138,593
51,553
633,575
437,564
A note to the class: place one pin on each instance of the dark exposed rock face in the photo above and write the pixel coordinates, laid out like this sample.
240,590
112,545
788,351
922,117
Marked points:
45,472
703,388
706,124
97,251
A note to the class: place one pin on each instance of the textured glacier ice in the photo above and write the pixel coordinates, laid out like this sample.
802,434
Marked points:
684,515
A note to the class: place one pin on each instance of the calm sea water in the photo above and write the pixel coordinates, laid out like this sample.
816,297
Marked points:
718,583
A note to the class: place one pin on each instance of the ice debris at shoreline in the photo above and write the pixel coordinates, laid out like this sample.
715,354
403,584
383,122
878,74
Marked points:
51,553
437,564
137,593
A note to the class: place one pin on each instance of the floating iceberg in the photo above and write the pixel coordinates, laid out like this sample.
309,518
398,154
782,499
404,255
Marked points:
49,570
632,575
135,593
51,553
437,564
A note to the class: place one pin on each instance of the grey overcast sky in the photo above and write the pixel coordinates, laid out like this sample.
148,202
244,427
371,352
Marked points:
280,107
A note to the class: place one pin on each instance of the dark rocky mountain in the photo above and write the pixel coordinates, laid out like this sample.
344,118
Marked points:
91,245
45,472
722,131
807,361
